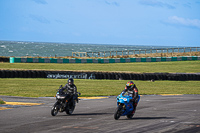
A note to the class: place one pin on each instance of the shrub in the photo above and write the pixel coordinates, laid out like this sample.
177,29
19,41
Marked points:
2,102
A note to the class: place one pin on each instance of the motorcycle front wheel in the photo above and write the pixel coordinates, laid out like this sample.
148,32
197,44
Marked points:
118,112
54,109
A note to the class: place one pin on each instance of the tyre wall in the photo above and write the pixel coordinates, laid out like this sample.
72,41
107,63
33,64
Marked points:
98,75
4,59
116,60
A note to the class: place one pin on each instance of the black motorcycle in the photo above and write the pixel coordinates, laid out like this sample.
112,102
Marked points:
65,102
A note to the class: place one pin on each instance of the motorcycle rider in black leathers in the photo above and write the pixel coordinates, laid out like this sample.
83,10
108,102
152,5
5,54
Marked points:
133,92
70,89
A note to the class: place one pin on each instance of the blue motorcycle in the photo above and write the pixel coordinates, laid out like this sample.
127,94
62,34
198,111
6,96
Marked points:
124,106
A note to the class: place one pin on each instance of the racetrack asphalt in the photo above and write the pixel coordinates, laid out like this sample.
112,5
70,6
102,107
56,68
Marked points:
155,114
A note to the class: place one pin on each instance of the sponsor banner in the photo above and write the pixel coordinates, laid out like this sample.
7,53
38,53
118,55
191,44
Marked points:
66,76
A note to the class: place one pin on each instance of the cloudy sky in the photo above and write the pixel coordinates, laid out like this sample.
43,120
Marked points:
133,22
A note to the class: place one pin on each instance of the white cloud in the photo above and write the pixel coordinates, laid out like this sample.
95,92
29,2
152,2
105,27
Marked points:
184,21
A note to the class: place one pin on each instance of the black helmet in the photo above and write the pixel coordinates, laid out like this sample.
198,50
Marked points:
130,85
70,81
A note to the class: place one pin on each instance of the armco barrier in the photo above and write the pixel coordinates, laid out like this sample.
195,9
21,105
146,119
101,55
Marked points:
103,60
98,75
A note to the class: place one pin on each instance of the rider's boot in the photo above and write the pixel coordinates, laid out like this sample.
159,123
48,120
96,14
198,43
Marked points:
134,106
65,105
77,100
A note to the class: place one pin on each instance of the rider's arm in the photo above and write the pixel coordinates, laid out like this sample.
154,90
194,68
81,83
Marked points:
63,89
75,89
124,91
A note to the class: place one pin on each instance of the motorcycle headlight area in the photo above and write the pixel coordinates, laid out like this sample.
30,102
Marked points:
60,97
125,99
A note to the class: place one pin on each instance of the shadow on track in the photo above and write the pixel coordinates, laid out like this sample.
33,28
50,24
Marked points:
148,118
83,114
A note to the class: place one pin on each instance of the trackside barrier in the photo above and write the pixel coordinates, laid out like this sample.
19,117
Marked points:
98,75
4,59
103,60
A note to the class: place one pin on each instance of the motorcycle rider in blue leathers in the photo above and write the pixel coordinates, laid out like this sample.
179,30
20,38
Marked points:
133,92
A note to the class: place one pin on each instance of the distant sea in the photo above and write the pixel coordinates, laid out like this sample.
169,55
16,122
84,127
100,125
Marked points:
43,49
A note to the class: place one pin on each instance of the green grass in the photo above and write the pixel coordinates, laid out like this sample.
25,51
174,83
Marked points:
141,67
48,87
1,101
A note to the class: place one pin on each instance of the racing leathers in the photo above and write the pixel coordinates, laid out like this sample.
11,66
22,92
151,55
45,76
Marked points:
134,94
70,91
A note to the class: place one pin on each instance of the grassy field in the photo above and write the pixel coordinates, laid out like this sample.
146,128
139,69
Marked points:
48,87
139,67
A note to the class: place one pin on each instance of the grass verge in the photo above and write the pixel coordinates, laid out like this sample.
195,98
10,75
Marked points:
48,87
139,67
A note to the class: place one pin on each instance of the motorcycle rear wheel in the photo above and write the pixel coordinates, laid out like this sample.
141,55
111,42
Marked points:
117,112
69,110
130,116
54,110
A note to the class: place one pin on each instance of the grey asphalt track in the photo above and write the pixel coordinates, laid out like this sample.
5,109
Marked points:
155,114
